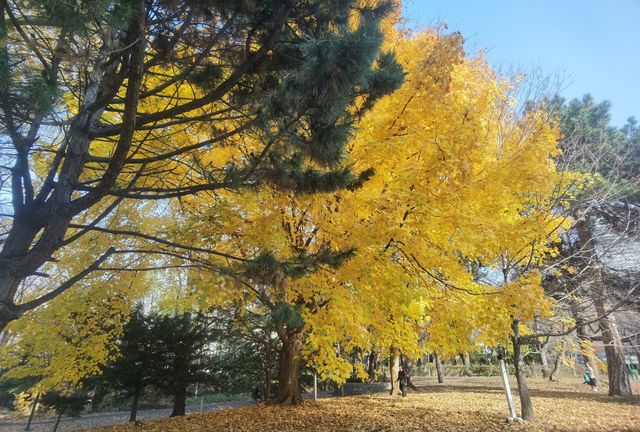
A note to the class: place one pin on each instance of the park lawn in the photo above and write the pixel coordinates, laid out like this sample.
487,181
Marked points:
473,404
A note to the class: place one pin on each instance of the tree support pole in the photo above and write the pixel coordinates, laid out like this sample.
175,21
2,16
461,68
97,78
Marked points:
315,386
507,391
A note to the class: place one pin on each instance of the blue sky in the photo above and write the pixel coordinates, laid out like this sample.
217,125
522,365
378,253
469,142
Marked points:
593,44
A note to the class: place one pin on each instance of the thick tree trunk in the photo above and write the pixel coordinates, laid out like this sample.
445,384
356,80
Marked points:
466,359
518,360
289,367
179,401
439,368
134,405
558,362
619,382
394,364
8,312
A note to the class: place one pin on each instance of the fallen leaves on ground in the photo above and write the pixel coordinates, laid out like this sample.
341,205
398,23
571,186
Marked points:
473,404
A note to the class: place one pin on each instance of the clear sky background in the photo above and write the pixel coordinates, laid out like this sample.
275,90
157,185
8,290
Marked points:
593,44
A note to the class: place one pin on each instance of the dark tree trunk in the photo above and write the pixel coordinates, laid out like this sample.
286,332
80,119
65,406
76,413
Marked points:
394,366
407,365
558,362
134,405
619,382
439,368
179,401
55,426
372,361
518,360
289,367
20,256
33,411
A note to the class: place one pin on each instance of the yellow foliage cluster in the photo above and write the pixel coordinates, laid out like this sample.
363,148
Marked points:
463,178
71,337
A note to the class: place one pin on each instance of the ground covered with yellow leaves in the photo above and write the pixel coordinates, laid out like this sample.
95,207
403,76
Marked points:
469,404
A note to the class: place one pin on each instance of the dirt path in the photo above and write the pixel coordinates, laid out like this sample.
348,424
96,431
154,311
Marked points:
87,421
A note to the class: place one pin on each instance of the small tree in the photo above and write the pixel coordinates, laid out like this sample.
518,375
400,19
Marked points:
183,343
69,403
134,369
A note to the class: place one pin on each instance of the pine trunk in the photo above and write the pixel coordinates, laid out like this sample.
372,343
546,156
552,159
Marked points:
289,368
439,368
134,405
394,363
180,401
619,382
526,405
55,426
33,411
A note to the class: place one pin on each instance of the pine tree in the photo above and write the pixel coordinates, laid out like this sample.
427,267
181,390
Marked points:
105,102
183,358
138,356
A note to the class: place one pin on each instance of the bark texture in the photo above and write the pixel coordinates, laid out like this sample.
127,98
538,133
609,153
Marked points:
134,405
179,401
372,366
289,367
619,381
553,376
439,370
526,404
394,365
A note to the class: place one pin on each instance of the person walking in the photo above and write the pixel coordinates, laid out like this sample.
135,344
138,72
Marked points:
590,377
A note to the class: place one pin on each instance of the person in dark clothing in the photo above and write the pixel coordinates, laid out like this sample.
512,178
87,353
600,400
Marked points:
403,380
256,394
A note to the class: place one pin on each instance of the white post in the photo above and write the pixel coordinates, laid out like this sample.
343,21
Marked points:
507,391
315,386
201,404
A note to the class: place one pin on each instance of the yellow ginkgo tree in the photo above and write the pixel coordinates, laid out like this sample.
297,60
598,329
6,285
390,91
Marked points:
462,178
